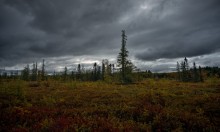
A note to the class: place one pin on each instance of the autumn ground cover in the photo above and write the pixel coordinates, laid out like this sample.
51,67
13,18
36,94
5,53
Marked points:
150,105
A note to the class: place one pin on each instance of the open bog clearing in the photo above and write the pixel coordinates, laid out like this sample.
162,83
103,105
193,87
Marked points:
98,106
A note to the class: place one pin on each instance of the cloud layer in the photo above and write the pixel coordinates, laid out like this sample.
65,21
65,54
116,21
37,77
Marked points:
162,29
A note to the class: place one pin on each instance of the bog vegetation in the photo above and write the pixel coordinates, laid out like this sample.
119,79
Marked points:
107,98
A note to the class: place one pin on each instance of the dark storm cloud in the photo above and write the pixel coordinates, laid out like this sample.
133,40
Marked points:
32,30
180,28
48,28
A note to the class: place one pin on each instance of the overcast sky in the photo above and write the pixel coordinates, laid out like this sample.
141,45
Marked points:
68,32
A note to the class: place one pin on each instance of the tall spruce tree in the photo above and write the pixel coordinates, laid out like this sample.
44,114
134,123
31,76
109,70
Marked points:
186,64
103,70
95,68
123,61
183,71
122,57
79,72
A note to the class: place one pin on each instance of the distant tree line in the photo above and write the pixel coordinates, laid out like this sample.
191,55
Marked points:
122,72
96,73
33,74
185,74
212,71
